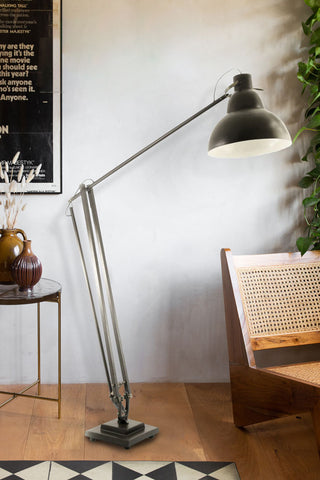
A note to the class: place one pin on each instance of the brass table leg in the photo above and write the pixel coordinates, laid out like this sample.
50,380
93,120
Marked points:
59,353
39,348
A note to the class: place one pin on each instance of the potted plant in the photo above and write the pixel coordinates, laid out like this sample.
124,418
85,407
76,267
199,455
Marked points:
309,75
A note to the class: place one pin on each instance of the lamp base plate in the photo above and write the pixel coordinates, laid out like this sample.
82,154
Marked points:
124,435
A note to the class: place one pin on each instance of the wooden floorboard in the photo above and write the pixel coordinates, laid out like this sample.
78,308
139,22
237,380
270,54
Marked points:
195,423
280,449
51,438
15,418
165,406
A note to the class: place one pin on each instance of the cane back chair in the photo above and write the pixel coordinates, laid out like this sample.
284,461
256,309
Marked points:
272,301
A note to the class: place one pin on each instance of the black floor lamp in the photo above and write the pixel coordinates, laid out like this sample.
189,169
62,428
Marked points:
247,130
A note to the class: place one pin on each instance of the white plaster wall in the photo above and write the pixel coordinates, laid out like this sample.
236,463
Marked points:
132,69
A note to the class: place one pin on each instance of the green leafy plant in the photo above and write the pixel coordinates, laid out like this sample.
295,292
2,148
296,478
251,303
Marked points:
309,75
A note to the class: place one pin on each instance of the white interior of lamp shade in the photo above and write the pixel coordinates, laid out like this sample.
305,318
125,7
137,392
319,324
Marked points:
250,148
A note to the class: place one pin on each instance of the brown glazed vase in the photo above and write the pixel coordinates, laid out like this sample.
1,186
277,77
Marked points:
10,247
26,269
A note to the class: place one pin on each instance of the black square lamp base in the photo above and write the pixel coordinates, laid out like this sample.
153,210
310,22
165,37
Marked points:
124,435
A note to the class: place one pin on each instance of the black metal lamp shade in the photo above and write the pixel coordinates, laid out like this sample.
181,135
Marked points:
248,129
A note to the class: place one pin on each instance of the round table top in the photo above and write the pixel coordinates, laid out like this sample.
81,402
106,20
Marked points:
44,290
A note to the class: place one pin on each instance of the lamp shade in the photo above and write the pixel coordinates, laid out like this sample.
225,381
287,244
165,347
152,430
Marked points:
248,129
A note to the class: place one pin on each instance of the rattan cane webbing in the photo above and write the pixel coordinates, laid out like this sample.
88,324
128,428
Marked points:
281,299
309,372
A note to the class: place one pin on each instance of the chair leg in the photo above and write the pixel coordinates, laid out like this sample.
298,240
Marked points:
316,422
259,395
244,415
246,411
250,397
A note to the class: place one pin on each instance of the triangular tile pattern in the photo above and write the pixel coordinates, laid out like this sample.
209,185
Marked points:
164,473
93,470
143,467
25,470
35,472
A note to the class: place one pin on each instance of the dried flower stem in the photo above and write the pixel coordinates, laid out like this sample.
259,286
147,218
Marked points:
10,205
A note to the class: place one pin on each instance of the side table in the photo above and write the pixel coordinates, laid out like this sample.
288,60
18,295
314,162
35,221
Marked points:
44,291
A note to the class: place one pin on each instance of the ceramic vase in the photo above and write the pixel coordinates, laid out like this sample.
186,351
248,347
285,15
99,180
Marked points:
26,269
10,247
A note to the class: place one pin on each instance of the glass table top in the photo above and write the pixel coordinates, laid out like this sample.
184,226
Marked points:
42,291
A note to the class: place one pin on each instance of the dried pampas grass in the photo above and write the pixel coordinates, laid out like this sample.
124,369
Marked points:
11,200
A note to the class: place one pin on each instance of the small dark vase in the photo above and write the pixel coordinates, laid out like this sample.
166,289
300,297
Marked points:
26,269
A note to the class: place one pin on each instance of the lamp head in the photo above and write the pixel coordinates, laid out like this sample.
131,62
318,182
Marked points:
248,129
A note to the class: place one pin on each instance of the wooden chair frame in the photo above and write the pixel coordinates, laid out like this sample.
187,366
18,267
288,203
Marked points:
260,394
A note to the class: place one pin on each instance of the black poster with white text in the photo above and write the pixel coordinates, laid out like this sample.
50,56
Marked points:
30,89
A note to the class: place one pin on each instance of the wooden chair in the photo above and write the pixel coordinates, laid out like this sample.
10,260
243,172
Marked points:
272,301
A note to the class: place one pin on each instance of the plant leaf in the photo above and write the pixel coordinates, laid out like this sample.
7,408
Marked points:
315,173
303,244
306,181
315,222
299,133
314,4
306,28
314,122
315,37
315,139
310,201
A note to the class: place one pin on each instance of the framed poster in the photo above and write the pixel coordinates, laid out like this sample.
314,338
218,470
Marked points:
30,91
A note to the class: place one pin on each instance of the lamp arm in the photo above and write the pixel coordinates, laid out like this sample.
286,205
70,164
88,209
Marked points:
151,145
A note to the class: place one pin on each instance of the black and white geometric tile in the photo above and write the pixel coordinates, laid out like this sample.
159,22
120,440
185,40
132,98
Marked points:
91,470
